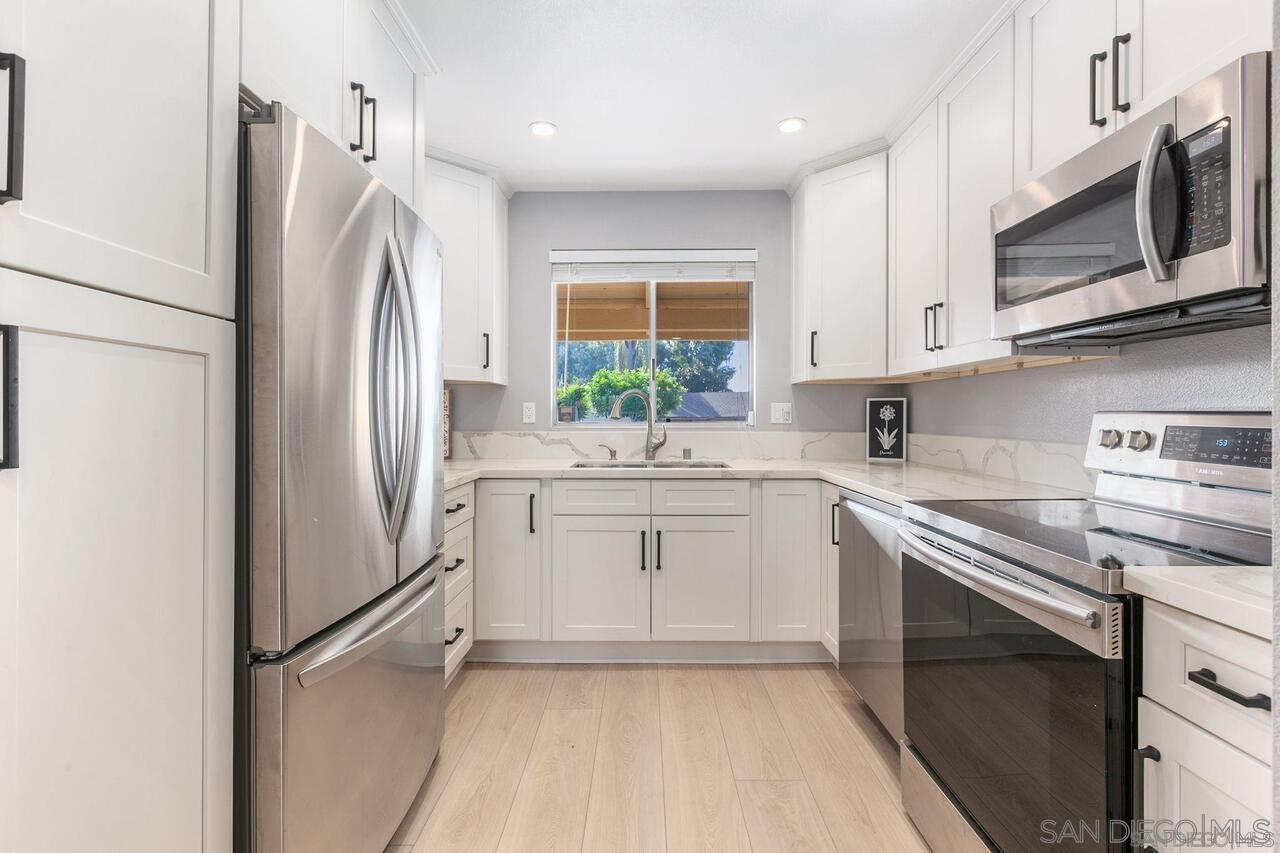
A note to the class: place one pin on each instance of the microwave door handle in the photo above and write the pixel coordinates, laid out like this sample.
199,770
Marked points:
410,442
1144,200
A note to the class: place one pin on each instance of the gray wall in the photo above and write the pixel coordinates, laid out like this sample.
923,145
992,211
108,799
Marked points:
1223,370
540,222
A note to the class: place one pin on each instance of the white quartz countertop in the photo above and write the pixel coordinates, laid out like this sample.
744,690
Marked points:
892,483
1237,596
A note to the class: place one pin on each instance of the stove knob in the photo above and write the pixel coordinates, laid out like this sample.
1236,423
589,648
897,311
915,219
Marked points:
1137,439
1109,438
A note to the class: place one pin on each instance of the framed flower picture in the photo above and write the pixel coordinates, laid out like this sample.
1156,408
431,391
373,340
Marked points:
886,429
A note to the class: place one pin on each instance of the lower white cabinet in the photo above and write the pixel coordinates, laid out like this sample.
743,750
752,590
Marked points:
459,629
1198,778
791,560
600,569
830,590
508,572
116,575
701,582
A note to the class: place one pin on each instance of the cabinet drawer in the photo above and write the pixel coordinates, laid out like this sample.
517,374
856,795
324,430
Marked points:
459,505
701,497
1176,643
600,497
459,629
458,558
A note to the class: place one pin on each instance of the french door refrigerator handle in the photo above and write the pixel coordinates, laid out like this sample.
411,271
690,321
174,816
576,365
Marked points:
411,444
362,646
8,396
1143,197
989,580
16,125
380,430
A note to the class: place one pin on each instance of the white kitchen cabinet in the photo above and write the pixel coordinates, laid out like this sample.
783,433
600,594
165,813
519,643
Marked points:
600,570
831,570
468,212
1174,44
308,54
1198,778
975,170
508,571
841,273
116,561
130,154
459,629
913,245
1054,40
701,584
791,560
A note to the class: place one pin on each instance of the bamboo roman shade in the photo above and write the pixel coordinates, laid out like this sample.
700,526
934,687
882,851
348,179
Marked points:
686,310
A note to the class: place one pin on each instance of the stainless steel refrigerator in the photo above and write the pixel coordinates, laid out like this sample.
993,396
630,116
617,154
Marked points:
344,521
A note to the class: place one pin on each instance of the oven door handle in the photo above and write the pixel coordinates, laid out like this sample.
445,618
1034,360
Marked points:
1148,245
982,577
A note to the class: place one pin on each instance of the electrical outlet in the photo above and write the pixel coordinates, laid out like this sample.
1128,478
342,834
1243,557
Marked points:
530,414
780,413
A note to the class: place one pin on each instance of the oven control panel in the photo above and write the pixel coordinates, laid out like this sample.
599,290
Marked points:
1221,448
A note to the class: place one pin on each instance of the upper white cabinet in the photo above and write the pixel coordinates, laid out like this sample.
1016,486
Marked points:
129,162
468,212
913,245
508,572
839,273
116,574
1086,67
791,560
351,68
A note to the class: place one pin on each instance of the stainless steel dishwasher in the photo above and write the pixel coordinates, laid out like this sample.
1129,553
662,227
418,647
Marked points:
871,605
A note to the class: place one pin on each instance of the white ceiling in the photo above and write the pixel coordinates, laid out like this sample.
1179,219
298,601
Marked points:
677,94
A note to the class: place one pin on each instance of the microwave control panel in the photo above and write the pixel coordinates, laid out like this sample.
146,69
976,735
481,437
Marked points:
1206,171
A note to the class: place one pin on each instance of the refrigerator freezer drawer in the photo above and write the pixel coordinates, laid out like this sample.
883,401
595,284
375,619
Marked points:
346,730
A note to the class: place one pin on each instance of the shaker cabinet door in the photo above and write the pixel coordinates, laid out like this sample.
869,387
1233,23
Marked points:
913,245
508,571
129,160
600,570
701,577
791,562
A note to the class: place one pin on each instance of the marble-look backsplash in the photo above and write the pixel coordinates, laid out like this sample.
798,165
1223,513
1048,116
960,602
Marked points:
1049,463
580,443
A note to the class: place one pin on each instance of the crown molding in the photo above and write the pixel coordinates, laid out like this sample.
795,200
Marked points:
848,155
418,55
471,164
917,106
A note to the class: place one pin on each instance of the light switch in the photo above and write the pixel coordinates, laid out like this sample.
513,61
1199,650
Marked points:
780,413
530,414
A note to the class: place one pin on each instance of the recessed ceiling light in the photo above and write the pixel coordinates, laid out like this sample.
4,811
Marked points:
791,125
542,128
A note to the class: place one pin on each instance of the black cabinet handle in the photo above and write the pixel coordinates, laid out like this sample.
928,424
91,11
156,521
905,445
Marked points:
17,123
1115,73
936,345
1208,679
531,527
1094,60
457,564
642,567
8,396
813,353
457,633
657,562
927,310
1139,794
835,523
373,155
450,510
359,87
485,366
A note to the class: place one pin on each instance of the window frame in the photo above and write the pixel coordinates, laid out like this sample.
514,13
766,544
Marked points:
651,285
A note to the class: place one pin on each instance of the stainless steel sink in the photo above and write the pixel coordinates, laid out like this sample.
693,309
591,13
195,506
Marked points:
657,463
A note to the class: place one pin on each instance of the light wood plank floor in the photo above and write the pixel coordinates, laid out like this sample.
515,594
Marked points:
638,757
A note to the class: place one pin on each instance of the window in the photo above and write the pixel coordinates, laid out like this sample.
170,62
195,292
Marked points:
687,342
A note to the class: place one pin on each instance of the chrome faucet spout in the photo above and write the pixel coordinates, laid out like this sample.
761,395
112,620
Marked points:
650,445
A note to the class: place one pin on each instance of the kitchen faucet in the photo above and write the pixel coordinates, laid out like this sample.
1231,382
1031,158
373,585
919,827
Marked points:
650,446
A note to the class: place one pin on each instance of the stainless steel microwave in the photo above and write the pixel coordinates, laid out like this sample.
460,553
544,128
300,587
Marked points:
1160,229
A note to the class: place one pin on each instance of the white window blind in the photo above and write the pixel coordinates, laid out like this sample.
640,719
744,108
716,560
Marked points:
669,271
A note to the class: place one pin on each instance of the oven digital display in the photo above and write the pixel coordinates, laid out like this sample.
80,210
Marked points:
1246,448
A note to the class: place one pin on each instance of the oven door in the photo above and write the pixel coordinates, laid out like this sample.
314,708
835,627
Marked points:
1016,698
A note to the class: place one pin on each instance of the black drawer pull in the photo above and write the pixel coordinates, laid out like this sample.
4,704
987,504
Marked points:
936,345
457,632
369,158
1146,753
359,87
657,563
16,66
1094,60
813,356
1116,104
1208,679
485,366
457,564
450,510
531,527
835,523
642,568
